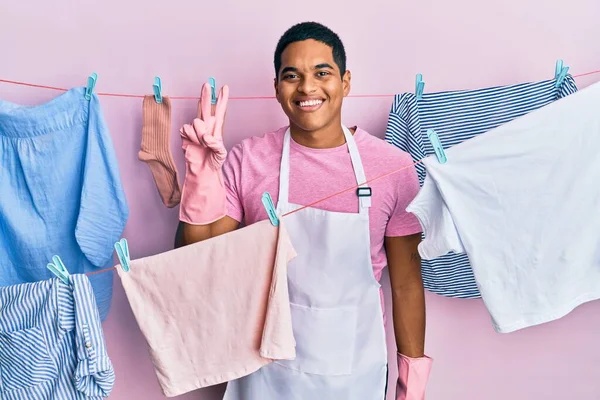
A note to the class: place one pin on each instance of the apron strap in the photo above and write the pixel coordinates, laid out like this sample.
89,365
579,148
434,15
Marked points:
363,191
284,171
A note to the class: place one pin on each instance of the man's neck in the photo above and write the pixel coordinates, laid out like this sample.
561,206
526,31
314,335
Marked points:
326,138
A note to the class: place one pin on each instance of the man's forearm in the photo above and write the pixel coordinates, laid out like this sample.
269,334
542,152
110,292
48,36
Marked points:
408,297
409,318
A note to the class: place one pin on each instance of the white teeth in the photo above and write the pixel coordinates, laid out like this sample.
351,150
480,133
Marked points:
310,103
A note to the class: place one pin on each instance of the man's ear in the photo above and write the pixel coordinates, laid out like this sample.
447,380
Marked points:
276,89
346,82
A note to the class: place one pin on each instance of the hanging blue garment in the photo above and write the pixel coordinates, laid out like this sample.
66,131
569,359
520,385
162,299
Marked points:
60,192
457,116
51,342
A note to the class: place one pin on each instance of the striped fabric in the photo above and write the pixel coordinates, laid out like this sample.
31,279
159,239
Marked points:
457,116
51,342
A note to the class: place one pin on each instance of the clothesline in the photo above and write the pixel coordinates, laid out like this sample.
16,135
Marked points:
314,202
231,97
251,98
354,187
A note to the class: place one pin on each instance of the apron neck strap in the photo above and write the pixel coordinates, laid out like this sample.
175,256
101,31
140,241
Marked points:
363,190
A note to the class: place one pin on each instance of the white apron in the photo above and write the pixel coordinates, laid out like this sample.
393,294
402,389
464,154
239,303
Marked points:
337,319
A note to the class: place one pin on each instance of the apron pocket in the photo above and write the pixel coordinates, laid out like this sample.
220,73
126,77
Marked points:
24,360
324,340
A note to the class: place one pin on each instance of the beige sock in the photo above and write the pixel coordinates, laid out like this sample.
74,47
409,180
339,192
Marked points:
156,149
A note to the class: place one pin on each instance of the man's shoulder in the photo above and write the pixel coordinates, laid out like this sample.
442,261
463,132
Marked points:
259,149
260,144
265,141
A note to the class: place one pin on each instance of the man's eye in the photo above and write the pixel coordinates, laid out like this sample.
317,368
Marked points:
289,76
323,73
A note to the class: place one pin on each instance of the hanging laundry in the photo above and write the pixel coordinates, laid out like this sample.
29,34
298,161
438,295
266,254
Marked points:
51,342
155,149
457,116
61,191
215,310
522,201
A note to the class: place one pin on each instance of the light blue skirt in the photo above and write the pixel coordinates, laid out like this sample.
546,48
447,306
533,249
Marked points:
60,192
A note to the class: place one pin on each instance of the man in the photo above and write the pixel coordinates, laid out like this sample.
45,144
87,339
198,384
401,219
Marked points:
343,242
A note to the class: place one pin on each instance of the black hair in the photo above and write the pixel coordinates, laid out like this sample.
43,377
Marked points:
316,31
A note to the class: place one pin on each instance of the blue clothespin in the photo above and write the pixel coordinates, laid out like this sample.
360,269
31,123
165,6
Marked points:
560,73
122,250
419,86
157,89
58,268
268,203
91,85
437,146
213,90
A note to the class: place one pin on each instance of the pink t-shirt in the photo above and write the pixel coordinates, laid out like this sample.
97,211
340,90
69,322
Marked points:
252,167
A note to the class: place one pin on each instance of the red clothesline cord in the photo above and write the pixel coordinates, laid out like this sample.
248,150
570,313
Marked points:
137,96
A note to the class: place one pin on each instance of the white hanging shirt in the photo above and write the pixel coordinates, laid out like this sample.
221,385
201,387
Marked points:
523,201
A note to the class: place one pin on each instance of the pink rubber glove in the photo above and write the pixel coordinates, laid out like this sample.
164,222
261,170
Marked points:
413,374
203,196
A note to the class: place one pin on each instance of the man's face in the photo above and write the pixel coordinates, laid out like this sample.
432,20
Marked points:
310,88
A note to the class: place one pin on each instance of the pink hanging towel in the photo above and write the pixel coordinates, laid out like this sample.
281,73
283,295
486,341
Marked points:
215,310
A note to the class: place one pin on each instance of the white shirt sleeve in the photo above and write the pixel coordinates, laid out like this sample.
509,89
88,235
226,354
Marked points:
440,233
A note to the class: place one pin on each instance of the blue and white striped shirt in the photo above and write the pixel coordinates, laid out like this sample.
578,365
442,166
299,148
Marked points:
457,116
51,342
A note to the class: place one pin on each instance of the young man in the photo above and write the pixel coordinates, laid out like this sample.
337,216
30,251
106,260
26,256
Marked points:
343,242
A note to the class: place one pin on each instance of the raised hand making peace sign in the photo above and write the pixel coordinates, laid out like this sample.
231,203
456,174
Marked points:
203,196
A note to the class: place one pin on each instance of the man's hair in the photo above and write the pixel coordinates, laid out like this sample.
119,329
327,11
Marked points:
315,31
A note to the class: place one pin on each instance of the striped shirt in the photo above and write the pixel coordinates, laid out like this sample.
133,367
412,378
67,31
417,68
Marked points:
457,116
51,342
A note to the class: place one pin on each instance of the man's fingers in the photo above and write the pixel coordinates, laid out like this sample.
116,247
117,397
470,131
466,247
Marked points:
221,110
192,133
218,151
216,145
204,108
200,127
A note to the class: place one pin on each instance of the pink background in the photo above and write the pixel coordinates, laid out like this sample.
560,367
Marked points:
455,44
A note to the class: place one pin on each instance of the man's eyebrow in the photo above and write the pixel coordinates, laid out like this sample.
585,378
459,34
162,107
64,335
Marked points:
323,65
318,66
288,69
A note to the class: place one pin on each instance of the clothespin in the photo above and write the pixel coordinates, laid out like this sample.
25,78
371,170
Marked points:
157,89
213,90
560,73
58,268
419,86
268,203
122,250
437,146
91,85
